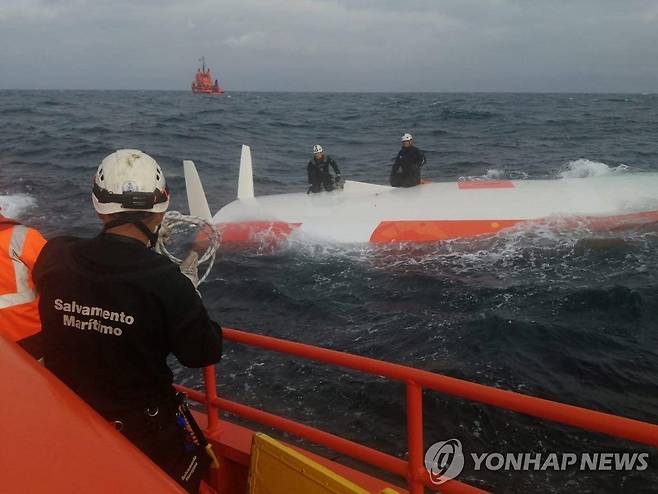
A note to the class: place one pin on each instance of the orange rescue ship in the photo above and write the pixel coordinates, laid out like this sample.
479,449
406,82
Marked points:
203,81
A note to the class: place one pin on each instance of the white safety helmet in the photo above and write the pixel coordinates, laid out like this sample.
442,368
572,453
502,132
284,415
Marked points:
129,180
407,137
317,149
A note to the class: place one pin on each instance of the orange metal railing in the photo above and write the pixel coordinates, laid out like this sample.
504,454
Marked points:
415,380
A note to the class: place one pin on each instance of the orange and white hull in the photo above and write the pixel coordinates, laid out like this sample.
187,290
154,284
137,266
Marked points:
440,211
369,213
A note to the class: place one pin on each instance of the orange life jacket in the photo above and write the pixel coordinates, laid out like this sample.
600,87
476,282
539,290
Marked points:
19,248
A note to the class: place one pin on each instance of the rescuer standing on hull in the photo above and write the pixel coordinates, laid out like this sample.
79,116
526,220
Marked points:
19,315
407,165
113,310
319,176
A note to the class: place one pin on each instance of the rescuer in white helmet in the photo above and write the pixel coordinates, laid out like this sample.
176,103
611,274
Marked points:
319,176
407,164
112,310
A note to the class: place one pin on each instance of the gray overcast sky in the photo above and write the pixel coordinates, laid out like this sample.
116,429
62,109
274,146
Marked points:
339,45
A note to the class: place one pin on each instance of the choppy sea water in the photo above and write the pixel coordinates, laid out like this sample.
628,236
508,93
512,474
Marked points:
571,317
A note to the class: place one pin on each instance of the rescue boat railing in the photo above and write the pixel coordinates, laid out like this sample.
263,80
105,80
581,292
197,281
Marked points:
416,380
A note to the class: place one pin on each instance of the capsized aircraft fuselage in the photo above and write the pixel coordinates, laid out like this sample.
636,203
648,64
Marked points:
364,212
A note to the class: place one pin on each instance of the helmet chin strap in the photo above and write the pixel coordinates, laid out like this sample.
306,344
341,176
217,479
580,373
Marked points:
151,236
136,220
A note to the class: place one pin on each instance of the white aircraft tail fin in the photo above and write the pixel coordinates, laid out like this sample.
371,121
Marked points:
196,197
246,178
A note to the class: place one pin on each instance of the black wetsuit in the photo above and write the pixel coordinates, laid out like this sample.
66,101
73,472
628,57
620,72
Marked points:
319,175
112,311
406,168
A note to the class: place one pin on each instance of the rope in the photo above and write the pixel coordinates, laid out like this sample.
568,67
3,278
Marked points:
173,220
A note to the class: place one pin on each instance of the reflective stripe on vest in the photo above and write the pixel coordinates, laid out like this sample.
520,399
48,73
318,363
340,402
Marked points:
24,293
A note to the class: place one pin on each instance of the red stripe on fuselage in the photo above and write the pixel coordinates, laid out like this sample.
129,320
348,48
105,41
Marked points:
256,233
271,233
431,231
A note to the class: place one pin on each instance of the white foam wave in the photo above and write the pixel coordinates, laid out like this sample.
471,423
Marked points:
584,168
14,205
496,174
543,253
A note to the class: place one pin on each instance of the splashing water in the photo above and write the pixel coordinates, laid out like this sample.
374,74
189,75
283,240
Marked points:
584,168
497,174
580,168
13,206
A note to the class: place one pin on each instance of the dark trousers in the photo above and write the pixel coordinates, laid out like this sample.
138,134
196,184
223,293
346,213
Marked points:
400,180
157,433
327,182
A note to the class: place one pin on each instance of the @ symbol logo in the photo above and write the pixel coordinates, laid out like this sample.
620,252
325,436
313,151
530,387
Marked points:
444,460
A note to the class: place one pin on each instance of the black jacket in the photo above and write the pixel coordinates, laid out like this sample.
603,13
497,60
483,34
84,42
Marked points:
406,167
112,311
319,175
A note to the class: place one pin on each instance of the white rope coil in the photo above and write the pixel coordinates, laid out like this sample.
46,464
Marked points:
173,220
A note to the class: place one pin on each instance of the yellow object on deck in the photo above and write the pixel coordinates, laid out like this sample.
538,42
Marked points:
279,469
215,462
